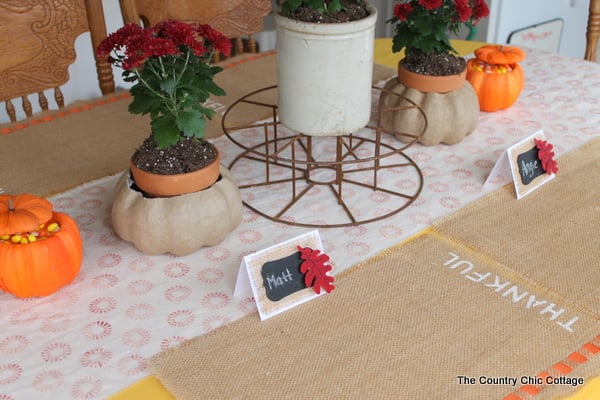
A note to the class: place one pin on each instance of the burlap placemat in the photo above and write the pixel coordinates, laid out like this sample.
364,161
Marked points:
57,150
551,237
433,318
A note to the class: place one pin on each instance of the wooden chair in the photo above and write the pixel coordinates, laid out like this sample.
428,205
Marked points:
593,31
37,43
236,19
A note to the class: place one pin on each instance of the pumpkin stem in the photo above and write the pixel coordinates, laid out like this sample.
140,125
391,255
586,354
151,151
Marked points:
10,205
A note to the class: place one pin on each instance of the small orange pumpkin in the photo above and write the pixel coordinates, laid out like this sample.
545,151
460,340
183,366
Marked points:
23,213
496,76
499,55
40,250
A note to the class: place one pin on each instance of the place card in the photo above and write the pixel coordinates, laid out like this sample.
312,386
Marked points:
530,162
285,275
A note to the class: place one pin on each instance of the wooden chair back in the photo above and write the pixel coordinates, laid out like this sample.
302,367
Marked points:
37,43
236,19
593,31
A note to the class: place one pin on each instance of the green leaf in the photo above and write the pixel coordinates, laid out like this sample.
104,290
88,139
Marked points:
215,89
290,5
319,6
397,44
215,69
334,6
168,85
207,112
144,104
164,131
191,123
424,26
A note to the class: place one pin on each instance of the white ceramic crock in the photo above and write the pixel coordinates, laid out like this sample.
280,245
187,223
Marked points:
325,75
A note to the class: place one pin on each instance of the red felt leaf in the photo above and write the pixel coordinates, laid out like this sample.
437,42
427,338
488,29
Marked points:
546,155
315,269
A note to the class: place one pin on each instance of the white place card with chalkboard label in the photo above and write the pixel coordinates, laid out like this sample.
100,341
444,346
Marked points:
285,275
530,162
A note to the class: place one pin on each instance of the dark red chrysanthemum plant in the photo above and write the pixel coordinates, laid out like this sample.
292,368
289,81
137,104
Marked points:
170,68
315,269
424,25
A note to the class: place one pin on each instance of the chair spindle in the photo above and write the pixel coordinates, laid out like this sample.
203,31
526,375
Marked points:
58,97
27,106
43,101
251,45
10,110
593,31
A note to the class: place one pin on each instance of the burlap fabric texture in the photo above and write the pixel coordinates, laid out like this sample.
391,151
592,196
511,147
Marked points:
481,306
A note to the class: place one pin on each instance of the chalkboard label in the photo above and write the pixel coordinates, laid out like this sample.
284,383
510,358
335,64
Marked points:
530,166
282,277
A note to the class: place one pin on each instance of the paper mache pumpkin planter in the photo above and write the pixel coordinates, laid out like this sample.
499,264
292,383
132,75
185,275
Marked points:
181,224
496,76
40,250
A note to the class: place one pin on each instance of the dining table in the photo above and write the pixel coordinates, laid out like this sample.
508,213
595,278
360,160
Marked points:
93,338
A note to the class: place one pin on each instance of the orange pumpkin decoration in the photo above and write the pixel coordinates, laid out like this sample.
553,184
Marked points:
40,250
496,76
23,213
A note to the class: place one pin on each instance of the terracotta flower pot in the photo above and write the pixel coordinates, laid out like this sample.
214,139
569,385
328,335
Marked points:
160,185
430,84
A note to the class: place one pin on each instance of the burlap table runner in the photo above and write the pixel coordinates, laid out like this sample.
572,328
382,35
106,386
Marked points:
550,237
462,311
57,150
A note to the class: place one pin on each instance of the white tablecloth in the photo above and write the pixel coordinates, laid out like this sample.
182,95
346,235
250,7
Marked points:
94,337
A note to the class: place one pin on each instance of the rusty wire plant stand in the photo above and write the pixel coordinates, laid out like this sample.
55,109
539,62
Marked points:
345,161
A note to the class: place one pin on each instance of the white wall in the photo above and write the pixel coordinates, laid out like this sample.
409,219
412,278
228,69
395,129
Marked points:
83,83
509,15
